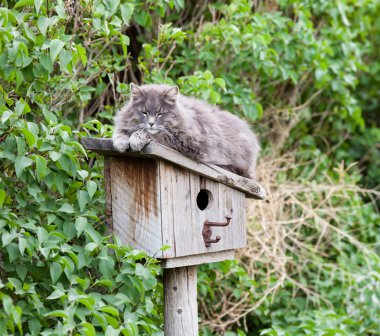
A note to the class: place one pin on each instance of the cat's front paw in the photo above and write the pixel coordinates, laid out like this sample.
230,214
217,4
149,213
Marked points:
121,144
139,140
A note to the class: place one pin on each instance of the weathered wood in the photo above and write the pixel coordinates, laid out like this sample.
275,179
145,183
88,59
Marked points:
180,295
155,150
232,202
184,232
183,220
198,259
136,203
167,208
108,190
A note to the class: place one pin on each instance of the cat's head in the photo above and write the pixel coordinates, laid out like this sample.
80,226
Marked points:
155,107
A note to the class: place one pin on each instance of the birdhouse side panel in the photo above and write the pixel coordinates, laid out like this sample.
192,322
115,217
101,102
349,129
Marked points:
204,194
221,201
233,204
135,185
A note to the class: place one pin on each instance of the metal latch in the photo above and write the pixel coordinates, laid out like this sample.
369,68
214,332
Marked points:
207,231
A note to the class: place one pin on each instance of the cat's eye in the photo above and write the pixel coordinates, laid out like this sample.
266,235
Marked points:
144,112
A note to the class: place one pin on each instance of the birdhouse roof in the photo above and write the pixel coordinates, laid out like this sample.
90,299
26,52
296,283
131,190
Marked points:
154,150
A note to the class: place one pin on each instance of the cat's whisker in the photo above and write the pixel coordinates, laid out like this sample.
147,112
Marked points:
168,134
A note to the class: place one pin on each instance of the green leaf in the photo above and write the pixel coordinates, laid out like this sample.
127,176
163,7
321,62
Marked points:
37,5
6,116
165,247
149,282
7,237
34,325
149,305
46,62
82,54
91,188
43,24
41,167
126,12
55,272
58,181
54,155
2,197
67,208
16,315
31,139
13,252
22,244
21,162
55,48
80,225
220,82
83,199
57,313
112,321
87,302
22,107
107,267
22,271
110,310
143,18
65,58
91,246
56,294
23,3
88,329
42,235
29,32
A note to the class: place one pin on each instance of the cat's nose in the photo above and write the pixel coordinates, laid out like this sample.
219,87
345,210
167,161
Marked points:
151,124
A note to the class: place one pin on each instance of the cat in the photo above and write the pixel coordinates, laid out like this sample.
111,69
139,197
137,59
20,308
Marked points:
205,133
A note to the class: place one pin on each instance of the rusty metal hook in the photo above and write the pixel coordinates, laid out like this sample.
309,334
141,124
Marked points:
207,231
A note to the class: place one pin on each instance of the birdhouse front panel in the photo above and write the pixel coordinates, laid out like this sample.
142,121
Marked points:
188,201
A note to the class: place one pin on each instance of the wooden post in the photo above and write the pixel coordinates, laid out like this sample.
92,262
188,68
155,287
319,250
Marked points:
180,295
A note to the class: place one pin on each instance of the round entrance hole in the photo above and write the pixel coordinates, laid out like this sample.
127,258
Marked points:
204,199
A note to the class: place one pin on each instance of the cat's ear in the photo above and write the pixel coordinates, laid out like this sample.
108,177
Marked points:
136,92
171,94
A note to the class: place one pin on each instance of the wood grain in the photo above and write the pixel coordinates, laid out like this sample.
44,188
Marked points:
181,309
225,201
198,259
167,207
155,150
183,220
108,190
136,203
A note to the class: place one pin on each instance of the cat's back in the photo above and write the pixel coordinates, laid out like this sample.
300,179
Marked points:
211,115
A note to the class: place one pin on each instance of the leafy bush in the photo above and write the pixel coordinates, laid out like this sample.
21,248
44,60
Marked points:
60,272
304,71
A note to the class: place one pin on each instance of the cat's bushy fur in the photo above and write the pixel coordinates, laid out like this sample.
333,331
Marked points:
193,127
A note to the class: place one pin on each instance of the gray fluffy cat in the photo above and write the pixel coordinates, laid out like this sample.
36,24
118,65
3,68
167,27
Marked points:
193,127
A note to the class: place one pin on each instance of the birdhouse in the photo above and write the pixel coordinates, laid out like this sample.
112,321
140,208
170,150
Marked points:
159,197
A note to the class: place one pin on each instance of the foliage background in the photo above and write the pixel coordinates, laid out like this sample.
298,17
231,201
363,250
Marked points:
305,73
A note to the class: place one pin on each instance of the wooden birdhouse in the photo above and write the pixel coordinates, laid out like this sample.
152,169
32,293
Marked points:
159,197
